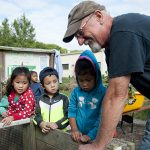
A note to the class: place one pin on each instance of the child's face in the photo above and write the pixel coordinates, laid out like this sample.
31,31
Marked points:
50,84
34,77
86,82
20,84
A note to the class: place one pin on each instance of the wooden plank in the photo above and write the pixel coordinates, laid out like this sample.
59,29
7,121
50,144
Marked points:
26,135
2,72
32,136
57,138
44,146
16,123
29,142
51,60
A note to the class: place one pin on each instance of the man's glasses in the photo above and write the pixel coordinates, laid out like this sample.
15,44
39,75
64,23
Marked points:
80,32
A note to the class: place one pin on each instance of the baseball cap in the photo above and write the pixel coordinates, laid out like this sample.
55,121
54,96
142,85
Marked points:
76,15
47,71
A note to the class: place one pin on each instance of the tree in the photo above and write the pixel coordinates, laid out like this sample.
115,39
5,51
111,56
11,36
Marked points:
6,34
23,32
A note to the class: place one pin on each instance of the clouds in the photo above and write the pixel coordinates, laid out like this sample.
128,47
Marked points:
49,17
117,7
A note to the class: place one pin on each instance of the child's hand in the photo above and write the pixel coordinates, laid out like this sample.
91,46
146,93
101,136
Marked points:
4,114
45,127
53,125
7,121
85,138
76,135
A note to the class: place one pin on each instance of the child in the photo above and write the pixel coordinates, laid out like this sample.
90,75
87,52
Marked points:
35,86
52,108
20,97
84,110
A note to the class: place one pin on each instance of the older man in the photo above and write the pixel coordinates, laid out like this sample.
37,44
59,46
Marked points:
126,40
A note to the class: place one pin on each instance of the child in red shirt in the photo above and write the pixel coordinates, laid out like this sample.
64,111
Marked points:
20,97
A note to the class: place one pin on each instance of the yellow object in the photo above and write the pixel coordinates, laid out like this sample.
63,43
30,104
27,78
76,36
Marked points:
134,103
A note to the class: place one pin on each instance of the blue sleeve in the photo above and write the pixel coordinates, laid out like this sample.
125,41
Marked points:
4,102
2,109
72,110
92,133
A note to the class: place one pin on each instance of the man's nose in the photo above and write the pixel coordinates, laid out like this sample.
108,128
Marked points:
52,84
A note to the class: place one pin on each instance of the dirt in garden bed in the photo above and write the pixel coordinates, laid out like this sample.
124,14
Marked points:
135,136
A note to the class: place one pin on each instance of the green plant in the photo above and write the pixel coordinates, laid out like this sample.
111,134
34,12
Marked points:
3,86
67,85
105,79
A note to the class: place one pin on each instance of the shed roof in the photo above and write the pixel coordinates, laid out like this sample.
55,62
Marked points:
21,49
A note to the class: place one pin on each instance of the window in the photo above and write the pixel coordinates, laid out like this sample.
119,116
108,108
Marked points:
65,66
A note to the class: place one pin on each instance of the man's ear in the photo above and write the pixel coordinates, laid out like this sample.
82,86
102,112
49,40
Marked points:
99,16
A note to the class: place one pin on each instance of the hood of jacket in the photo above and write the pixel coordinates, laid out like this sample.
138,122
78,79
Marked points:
87,54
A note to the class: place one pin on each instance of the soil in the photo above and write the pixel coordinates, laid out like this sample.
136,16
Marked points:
135,136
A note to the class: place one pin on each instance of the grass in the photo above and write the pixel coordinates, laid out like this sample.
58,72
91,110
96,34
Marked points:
143,115
67,85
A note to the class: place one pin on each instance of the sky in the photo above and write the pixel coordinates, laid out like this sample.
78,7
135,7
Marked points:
49,17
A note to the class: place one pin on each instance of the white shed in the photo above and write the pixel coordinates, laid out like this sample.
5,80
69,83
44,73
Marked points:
34,59
69,60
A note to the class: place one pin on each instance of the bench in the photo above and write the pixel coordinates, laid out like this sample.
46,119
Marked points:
129,116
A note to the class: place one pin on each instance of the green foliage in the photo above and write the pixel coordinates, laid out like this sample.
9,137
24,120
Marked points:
6,34
140,115
19,34
105,79
67,85
143,115
22,34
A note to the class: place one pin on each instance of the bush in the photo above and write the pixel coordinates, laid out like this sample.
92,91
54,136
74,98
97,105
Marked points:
67,85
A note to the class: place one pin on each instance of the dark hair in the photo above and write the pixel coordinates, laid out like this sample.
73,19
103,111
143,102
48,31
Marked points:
17,71
47,71
32,72
84,66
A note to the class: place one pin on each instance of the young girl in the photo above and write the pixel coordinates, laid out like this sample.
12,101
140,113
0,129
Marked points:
20,97
86,99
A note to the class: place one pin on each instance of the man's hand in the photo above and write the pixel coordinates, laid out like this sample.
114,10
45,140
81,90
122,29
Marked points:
92,146
7,121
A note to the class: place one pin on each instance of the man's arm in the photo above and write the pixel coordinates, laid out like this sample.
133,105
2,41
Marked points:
113,105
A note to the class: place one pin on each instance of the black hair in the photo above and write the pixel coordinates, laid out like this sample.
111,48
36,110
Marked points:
84,66
32,72
47,71
17,71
